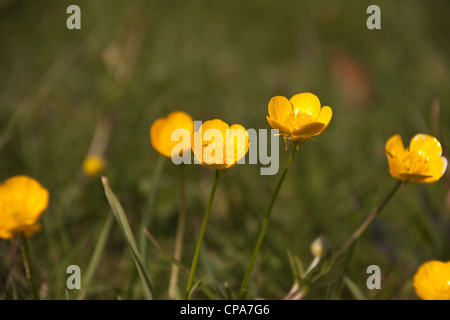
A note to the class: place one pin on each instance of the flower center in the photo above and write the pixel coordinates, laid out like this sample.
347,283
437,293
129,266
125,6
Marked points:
415,162
298,118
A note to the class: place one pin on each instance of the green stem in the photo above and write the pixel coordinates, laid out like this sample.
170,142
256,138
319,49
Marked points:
178,238
366,223
265,224
27,265
202,233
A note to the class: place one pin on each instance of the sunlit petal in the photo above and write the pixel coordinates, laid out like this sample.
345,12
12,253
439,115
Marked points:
426,145
307,103
432,280
325,117
275,124
394,146
279,108
437,167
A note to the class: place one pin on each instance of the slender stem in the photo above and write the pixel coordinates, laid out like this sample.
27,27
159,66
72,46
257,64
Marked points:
27,265
178,237
366,223
265,224
202,233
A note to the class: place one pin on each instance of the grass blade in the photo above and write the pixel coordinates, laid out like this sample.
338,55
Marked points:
143,243
176,262
335,288
122,221
354,289
98,250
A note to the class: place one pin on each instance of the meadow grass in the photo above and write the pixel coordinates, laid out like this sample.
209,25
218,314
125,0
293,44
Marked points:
133,62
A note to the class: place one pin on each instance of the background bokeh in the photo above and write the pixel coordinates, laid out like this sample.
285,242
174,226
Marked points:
135,61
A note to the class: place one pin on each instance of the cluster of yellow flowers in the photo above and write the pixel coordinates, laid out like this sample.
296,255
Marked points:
224,153
299,119
23,199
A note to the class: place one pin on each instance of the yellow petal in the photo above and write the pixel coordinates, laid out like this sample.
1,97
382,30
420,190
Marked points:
395,167
432,280
181,120
280,108
425,145
308,130
394,146
325,117
275,124
158,137
215,124
307,103
162,129
8,224
436,169
5,234
237,144
32,197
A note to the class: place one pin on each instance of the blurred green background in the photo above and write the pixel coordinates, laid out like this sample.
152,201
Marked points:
135,61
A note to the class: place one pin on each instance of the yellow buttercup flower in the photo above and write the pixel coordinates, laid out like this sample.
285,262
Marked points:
421,162
22,202
93,166
432,280
162,129
299,118
217,145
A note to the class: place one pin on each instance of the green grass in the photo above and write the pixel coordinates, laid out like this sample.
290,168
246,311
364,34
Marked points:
223,59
